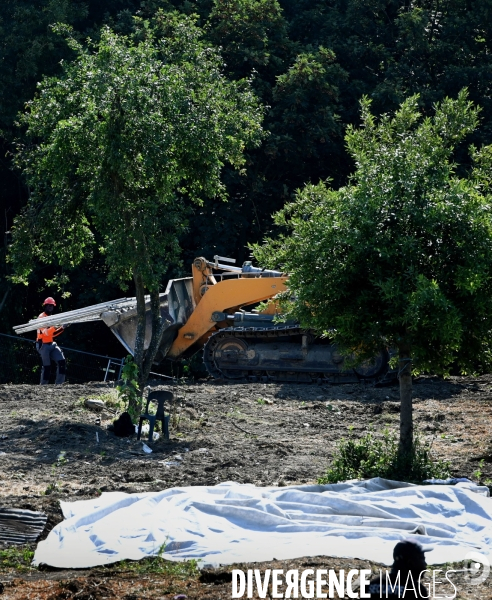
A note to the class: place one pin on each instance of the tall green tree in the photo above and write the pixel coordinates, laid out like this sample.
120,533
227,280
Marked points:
401,256
136,130
312,61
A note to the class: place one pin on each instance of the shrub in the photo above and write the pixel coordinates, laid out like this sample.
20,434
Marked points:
373,456
128,391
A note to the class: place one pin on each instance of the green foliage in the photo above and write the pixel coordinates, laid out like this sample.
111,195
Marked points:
52,488
253,34
373,456
158,565
131,129
128,390
30,48
478,473
135,131
62,458
387,51
18,558
400,256
304,119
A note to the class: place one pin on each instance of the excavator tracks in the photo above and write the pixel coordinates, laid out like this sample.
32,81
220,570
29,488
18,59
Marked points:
285,354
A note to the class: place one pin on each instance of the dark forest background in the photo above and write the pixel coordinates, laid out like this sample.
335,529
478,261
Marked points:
311,61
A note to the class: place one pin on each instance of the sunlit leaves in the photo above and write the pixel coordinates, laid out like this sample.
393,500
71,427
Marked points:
135,131
402,255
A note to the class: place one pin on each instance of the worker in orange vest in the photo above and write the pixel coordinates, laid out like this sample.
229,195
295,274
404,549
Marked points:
48,349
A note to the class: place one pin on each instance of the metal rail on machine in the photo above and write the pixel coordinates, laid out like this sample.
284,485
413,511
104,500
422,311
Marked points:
80,315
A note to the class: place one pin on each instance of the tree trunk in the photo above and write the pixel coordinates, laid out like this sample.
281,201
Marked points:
406,416
158,326
144,359
138,353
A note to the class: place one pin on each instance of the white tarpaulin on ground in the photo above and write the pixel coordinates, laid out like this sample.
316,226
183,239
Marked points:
231,523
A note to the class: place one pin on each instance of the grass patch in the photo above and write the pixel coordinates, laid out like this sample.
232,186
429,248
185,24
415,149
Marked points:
110,398
158,566
18,558
372,456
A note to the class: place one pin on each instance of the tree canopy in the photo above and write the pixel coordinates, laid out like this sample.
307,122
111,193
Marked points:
312,61
402,255
135,130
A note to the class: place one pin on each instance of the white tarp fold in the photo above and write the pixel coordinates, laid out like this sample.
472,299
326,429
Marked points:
231,523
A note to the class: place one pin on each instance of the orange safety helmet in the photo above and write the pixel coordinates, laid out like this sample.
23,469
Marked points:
49,300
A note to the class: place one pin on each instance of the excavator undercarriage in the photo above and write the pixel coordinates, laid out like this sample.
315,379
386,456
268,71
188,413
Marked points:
258,348
283,354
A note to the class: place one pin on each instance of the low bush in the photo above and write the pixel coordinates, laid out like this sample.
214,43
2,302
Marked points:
372,456
18,558
128,391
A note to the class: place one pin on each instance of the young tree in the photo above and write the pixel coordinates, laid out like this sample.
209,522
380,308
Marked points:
134,129
402,256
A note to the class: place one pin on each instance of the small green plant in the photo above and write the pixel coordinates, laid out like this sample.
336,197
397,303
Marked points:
379,457
52,488
128,390
16,558
159,565
261,401
478,473
112,400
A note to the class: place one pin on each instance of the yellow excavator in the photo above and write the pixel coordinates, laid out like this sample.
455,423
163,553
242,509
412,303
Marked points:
214,311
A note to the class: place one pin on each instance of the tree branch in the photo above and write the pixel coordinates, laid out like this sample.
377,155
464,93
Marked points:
4,298
138,352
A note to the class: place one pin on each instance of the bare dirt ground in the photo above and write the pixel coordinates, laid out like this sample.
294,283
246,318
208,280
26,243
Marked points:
53,448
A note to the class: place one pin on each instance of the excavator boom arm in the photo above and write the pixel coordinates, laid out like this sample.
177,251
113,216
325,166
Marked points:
223,296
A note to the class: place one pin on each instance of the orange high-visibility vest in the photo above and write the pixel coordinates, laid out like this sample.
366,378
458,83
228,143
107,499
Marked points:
46,334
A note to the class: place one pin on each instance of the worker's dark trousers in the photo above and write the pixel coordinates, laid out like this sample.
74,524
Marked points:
50,352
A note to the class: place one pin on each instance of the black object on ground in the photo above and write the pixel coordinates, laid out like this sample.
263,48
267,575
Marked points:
123,426
409,563
18,526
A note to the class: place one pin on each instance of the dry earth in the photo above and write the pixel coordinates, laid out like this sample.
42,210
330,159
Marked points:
52,447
